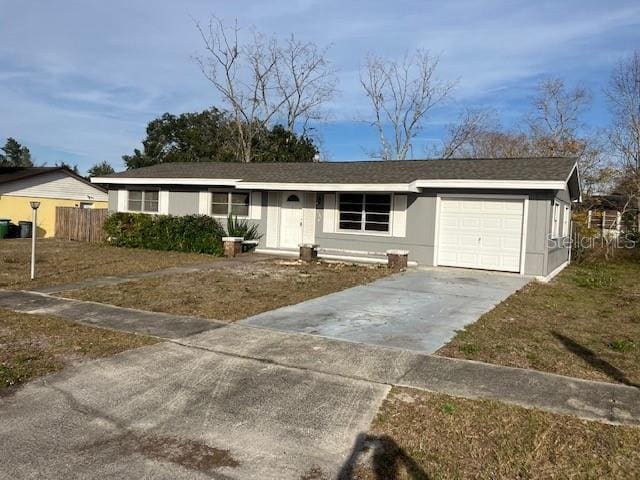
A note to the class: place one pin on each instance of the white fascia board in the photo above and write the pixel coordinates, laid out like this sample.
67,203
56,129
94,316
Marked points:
332,187
494,184
577,170
341,187
166,181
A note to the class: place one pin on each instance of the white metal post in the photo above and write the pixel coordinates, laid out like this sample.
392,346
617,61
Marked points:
34,219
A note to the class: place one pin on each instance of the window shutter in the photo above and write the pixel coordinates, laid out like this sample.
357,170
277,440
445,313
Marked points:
123,197
163,202
204,200
329,211
309,218
399,216
255,206
273,219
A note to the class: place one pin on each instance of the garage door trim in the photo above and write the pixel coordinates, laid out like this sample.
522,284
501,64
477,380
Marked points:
525,211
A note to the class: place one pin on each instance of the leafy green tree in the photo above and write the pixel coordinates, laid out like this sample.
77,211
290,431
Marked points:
281,145
15,155
211,136
100,169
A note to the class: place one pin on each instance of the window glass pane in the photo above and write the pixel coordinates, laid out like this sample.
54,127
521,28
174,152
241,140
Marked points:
348,216
151,195
241,210
135,205
150,206
240,198
219,209
150,201
350,225
377,227
135,200
351,198
377,217
219,197
377,208
380,199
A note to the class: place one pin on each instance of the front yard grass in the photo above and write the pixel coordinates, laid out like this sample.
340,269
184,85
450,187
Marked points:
585,323
35,345
419,436
63,261
234,294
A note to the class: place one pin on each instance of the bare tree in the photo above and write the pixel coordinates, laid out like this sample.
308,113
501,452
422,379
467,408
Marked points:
463,137
556,117
306,80
623,94
402,93
263,82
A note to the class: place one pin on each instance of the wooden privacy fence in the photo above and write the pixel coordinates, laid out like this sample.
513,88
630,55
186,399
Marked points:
82,224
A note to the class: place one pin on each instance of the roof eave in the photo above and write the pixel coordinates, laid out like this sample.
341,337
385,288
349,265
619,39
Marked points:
414,186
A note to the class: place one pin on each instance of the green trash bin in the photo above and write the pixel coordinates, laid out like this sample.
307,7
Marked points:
4,227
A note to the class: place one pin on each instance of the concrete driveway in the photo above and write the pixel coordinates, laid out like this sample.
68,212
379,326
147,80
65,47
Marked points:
415,310
171,411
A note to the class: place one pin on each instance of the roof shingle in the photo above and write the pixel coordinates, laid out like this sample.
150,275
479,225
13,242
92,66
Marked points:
373,172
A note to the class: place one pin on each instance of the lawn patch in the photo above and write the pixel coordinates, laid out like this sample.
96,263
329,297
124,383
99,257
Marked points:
423,439
585,323
234,294
35,345
63,261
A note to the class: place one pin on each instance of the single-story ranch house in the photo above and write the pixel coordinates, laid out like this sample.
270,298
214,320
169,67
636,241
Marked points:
495,214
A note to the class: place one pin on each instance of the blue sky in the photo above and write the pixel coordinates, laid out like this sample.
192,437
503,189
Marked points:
80,79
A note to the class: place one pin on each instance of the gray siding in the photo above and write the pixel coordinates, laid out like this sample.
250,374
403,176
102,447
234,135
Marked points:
186,202
540,256
183,203
558,252
418,239
420,235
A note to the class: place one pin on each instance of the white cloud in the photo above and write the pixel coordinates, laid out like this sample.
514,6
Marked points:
86,78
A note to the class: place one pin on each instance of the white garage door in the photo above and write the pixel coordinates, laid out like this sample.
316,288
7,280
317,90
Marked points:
480,233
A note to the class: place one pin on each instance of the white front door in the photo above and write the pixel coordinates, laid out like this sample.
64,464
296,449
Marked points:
291,220
481,233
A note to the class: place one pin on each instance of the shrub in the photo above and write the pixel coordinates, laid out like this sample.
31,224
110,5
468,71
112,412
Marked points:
190,233
241,228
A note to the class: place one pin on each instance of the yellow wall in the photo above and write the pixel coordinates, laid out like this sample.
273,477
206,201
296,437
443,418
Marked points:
19,208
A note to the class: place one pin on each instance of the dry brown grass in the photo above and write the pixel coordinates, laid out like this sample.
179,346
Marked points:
586,323
233,294
35,345
419,435
63,261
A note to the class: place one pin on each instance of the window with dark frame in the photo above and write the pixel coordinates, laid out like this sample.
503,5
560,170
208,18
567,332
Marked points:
366,212
225,203
143,201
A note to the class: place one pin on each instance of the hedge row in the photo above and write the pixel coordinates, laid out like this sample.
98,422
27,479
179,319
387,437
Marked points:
190,233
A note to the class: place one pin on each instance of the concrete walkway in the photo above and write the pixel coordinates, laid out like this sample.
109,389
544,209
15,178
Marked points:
219,264
117,318
605,402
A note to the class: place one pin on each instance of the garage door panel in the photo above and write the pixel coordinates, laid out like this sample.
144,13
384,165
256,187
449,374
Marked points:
470,241
480,233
